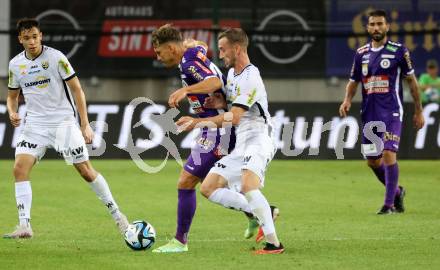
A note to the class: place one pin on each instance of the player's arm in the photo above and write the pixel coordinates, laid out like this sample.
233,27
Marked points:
207,86
350,89
81,106
12,105
187,123
418,118
13,95
350,92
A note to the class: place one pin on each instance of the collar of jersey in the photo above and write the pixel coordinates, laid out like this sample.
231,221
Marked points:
235,75
42,49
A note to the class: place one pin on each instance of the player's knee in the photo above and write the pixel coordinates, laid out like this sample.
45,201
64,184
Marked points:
88,174
20,171
187,181
206,189
389,157
373,163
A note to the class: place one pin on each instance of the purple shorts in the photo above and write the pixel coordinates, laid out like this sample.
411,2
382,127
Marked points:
390,138
210,146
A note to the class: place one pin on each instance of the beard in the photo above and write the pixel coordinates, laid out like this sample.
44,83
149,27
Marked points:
378,36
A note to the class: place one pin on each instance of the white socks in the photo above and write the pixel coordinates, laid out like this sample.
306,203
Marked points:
230,199
23,196
100,187
261,209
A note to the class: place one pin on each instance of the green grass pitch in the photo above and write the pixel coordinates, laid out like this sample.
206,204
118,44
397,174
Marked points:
327,220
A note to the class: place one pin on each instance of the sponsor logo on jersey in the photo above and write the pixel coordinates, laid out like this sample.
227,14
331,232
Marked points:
391,48
376,84
390,56
26,144
34,71
205,69
205,143
365,69
195,104
40,82
365,56
389,136
22,69
408,60
252,96
11,78
219,165
76,152
34,66
385,63
65,66
195,74
45,64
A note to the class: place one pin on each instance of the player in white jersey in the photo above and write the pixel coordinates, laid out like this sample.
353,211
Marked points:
48,81
243,170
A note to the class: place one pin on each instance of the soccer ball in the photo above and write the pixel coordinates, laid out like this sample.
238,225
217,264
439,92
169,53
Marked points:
140,235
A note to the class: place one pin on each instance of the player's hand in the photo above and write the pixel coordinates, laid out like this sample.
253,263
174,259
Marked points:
87,133
344,108
418,120
176,97
186,123
216,101
15,119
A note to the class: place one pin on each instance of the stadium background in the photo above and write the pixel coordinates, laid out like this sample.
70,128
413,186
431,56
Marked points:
303,49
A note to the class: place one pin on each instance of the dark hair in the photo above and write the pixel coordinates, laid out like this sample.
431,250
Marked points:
166,33
26,24
378,13
431,63
235,36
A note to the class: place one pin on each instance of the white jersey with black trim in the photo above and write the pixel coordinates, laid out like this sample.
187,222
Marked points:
246,90
43,82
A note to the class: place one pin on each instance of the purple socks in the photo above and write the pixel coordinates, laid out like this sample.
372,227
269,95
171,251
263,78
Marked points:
186,207
391,185
380,173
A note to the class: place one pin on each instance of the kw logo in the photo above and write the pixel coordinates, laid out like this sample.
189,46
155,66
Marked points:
109,205
20,206
247,159
70,152
221,165
26,144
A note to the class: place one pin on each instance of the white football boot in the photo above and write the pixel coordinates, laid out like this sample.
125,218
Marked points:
21,232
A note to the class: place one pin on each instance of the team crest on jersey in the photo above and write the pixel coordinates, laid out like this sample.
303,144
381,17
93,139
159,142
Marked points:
22,69
365,69
385,63
45,64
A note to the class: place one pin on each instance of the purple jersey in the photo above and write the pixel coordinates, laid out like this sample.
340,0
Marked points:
196,67
380,70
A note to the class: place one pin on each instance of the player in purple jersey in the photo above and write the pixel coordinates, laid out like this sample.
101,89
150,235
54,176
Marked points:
199,77
380,66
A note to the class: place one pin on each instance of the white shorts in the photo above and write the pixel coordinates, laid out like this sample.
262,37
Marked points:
67,140
254,155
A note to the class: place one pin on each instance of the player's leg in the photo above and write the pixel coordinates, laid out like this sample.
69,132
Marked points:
190,176
391,139
186,204
30,148
261,209
100,186
23,195
377,166
69,142
186,208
